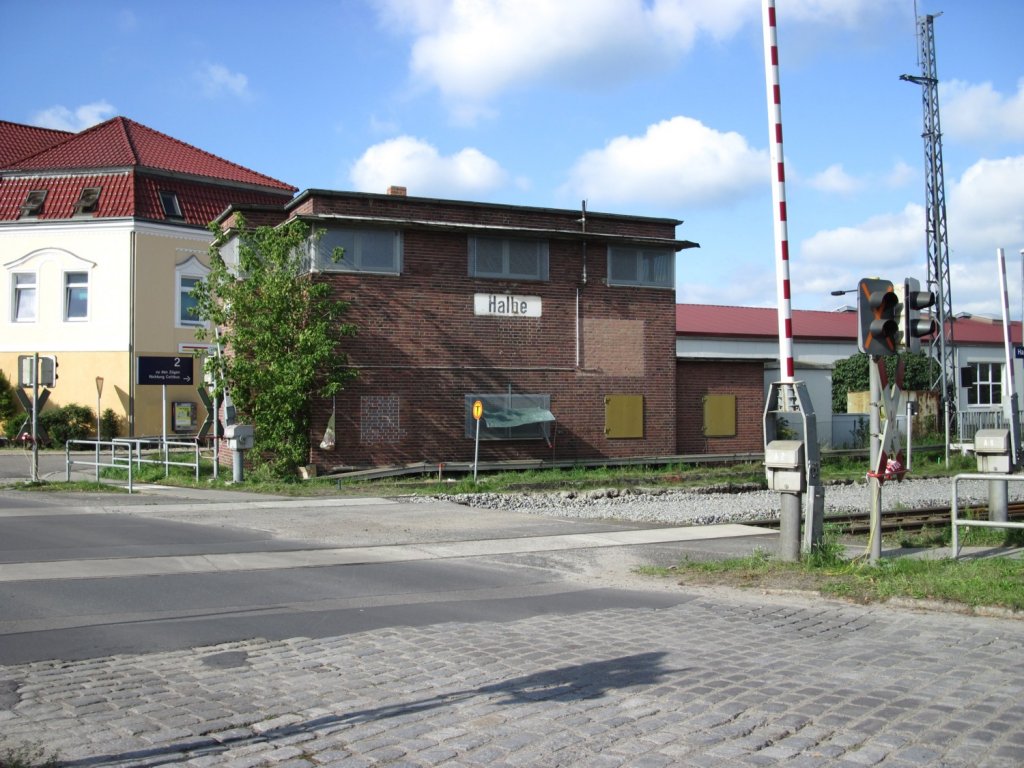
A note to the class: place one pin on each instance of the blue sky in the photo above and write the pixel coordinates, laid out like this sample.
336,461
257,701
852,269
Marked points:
650,107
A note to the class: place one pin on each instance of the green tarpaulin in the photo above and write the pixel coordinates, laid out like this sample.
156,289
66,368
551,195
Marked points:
516,417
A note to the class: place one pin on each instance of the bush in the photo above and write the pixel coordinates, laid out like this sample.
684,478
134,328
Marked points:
8,405
110,425
71,422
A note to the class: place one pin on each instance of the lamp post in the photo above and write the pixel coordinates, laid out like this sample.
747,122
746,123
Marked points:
99,436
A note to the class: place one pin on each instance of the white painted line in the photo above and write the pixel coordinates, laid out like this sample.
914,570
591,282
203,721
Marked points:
313,558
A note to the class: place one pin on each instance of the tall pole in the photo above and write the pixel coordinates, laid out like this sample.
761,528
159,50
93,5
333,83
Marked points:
782,285
35,417
874,481
1010,390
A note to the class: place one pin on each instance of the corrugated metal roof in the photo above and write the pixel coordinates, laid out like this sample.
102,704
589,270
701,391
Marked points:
709,320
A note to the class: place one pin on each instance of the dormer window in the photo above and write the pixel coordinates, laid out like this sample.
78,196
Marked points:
88,202
33,204
169,201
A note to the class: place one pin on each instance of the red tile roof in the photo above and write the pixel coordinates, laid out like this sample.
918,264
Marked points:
17,140
131,164
709,320
123,143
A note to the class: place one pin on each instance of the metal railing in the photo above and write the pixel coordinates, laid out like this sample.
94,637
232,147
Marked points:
132,452
957,521
99,450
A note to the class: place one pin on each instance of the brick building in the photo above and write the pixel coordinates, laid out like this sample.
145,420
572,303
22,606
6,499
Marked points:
562,322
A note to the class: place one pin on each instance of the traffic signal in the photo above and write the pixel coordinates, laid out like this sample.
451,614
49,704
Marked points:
878,309
915,326
47,370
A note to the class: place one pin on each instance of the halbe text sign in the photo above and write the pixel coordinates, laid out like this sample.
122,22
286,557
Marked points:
506,305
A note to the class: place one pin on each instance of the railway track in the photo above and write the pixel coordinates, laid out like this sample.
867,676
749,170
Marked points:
907,520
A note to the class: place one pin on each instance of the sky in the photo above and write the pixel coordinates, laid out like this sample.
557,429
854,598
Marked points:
642,107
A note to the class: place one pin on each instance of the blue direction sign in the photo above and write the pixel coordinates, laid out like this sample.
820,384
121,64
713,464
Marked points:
165,370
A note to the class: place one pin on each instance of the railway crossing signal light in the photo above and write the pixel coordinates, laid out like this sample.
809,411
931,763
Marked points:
914,325
878,311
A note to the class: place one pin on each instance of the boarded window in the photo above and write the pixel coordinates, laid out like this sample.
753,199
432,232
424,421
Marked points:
623,416
720,416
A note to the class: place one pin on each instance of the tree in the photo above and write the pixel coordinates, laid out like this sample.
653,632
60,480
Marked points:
281,332
852,375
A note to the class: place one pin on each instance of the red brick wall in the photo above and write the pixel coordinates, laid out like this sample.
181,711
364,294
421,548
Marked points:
745,380
420,350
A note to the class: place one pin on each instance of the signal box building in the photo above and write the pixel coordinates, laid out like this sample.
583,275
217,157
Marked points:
103,233
561,323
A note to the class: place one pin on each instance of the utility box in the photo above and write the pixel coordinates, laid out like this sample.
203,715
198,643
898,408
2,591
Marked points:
240,437
784,465
992,449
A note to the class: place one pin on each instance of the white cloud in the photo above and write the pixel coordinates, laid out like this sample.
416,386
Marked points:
835,179
216,80
471,51
978,112
984,211
985,207
900,175
63,119
418,166
679,162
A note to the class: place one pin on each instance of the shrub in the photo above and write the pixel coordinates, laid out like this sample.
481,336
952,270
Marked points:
110,425
71,422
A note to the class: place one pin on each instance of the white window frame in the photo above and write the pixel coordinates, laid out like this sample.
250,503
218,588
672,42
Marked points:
506,273
992,382
192,269
641,268
353,260
17,291
68,287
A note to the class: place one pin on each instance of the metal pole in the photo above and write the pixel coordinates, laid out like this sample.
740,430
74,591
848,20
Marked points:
1010,390
910,432
476,449
875,483
35,417
998,496
789,527
163,441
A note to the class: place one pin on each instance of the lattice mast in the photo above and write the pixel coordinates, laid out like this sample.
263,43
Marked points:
935,215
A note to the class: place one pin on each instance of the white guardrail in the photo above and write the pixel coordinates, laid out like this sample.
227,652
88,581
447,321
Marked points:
957,521
129,453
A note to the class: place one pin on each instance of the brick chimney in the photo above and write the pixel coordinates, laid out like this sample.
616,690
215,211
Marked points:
396,191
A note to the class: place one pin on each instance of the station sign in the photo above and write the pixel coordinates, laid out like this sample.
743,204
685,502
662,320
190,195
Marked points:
165,370
506,305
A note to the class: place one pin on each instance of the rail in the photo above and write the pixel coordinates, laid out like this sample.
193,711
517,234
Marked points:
957,521
114,445
130,453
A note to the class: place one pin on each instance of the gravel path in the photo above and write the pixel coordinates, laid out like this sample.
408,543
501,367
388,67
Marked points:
709,506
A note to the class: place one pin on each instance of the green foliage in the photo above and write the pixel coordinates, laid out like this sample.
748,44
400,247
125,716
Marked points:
70,422
27,756
852,375
281,330
110,425
8,404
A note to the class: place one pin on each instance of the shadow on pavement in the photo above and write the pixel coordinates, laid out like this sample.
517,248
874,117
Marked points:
573,683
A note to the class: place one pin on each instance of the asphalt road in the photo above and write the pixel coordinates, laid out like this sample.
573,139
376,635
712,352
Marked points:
90,575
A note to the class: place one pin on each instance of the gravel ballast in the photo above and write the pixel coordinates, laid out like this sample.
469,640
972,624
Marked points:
711,506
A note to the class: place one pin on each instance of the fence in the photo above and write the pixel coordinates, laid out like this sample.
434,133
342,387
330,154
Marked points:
130,453
957,522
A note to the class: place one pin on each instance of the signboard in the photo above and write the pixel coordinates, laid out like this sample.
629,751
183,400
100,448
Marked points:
1018,352
165,370
478,409
506,305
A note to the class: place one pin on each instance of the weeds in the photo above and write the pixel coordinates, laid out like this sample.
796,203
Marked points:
28,756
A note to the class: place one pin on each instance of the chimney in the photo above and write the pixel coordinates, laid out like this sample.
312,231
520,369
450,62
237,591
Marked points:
396,191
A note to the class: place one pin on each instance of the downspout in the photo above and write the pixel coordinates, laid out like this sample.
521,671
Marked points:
583,278
131,336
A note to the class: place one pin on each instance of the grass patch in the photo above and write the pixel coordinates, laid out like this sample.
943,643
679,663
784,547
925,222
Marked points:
996,581
82,486
27,756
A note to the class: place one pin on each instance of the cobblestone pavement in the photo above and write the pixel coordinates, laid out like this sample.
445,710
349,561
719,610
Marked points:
725,678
